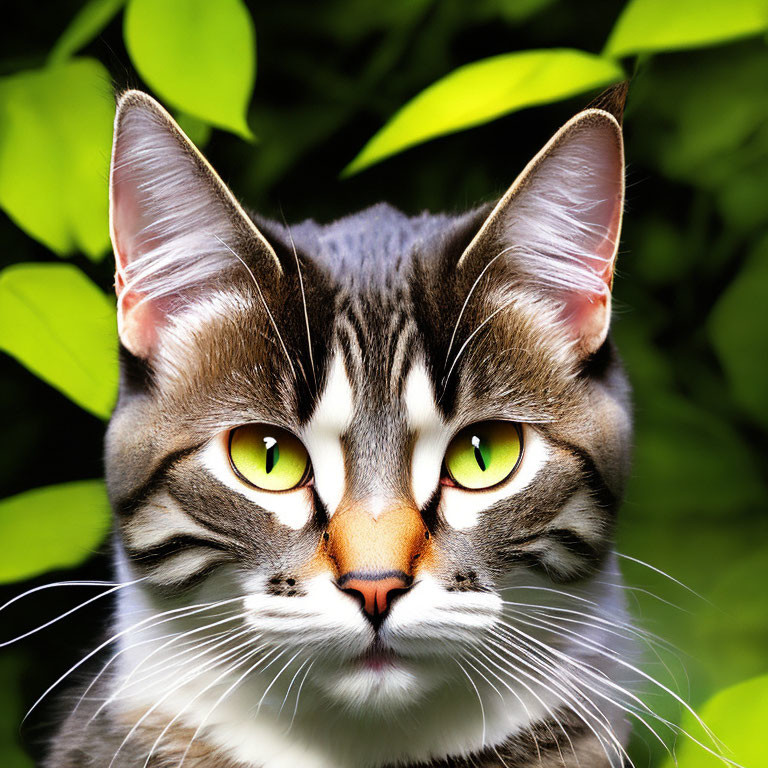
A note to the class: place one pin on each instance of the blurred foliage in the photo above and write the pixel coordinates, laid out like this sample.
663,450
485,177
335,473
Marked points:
737,726
402,79
66,523
55,129
658,25
60,325
10,713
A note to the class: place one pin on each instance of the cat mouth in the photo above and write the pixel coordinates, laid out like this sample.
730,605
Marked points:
377,658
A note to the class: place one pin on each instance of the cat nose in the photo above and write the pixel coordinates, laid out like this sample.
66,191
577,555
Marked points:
375,591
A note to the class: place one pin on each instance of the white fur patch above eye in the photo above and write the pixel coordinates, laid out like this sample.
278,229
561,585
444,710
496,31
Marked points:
291,508
462,509
432,434
322,435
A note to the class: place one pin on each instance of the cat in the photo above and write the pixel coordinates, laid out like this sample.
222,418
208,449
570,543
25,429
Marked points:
364,475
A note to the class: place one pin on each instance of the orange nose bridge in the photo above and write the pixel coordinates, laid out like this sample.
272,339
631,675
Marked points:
391,543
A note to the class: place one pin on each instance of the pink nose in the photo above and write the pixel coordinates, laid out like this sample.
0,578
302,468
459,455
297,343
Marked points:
375,591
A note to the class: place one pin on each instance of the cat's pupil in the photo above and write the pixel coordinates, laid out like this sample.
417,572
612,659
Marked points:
272,453
481,452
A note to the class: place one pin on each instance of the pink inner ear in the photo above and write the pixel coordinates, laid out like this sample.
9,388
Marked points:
139,321
607,218
588,312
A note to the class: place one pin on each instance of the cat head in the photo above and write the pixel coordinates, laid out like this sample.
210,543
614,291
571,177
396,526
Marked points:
367,430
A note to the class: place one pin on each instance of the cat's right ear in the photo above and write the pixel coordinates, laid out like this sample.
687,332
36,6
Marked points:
176,228
559,223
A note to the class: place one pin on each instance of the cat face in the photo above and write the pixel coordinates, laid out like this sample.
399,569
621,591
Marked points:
364,433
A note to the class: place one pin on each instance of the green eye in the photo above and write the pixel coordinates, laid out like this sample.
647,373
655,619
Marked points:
484,454
268,457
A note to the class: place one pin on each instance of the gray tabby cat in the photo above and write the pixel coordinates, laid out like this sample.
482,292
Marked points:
364,474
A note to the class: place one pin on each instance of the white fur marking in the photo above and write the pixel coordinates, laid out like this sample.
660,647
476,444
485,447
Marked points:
432,434
322,436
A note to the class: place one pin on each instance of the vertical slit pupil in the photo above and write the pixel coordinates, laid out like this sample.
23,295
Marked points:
273,453
478,451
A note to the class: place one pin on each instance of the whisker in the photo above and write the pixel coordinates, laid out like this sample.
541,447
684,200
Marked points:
223,696
523,704
469,338
466,301
184,612
274,680
574,697
479,698
264,302
174,636
127,684
662,573
304,304
298,695
642,705
564,695
290,685
56,584
216,661
61,616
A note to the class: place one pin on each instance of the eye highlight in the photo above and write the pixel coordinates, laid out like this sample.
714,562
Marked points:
484,454
268,457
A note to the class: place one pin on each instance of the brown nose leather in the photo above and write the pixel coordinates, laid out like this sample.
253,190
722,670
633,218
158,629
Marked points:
375,590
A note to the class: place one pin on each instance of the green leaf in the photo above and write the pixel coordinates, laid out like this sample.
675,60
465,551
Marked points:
55,138
484,90
11,712
737,330
61,326
58,526
659,25
737,716
89,21
198,55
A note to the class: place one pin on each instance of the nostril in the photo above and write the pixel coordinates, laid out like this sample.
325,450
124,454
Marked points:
355,594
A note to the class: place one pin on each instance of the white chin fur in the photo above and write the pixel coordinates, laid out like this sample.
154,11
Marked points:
391,689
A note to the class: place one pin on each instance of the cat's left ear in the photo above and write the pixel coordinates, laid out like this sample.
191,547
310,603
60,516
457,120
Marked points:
559,223
177,231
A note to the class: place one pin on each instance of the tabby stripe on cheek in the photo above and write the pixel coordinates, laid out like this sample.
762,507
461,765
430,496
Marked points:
151,557
130,503
604,496
184,572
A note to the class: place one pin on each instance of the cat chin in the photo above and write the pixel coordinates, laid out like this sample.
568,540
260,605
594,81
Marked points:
379,689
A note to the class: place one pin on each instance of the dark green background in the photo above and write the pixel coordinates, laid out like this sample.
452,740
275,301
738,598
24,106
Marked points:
691,288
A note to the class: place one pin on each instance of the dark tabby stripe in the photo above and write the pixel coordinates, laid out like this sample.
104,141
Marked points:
130,504
152,557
